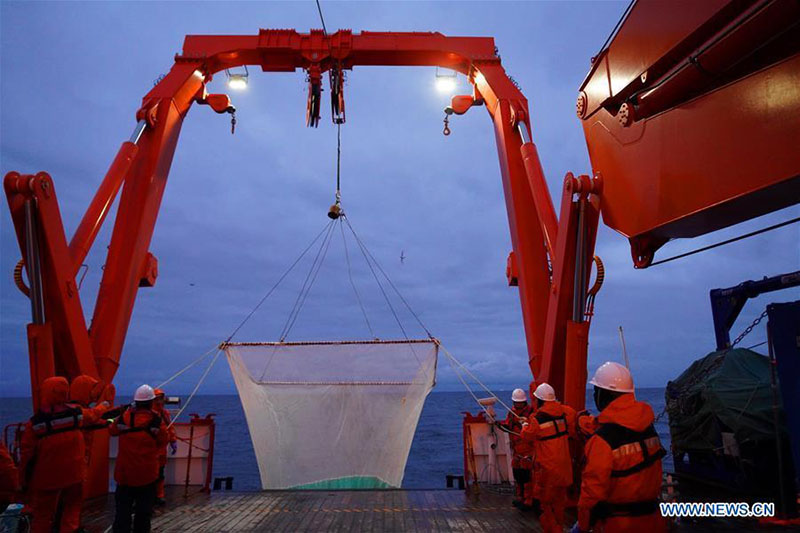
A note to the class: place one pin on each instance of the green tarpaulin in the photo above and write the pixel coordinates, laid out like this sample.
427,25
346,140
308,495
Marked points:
725,391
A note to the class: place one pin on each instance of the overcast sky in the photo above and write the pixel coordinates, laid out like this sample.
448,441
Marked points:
239,209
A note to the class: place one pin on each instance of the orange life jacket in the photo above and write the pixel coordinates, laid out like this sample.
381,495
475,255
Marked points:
171,435
46,424
548,430
521,449
627,441
142,434
52,447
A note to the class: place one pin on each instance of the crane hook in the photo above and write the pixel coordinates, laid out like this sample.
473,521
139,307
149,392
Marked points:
335,210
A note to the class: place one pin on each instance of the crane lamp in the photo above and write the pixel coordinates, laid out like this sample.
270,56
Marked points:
446,80
237,81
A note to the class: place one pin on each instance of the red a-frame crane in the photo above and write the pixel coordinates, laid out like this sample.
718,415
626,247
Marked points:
674,154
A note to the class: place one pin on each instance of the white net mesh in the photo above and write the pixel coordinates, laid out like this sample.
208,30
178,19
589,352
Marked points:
332,414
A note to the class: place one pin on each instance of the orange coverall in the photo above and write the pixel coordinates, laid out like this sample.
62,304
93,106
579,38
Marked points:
8,478
85,391
576,441
142,434
548,430
162,456
622,482
587,424
52,465
522,452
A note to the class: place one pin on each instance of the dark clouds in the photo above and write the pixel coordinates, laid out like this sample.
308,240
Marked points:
238,209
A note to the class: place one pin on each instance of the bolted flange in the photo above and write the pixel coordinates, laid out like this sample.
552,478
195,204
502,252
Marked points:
581,104
626,115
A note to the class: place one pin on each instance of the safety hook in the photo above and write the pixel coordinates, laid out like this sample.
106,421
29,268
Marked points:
446,130
233,121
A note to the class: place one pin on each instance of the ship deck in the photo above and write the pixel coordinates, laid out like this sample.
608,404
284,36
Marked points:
439,510
358,510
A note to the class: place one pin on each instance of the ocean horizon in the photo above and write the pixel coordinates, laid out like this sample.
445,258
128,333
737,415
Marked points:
436,450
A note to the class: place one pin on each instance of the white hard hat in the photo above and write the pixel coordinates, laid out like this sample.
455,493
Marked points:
144,393
545,393
518,396
614,377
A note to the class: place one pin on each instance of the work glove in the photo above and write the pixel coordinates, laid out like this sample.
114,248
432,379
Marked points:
173,448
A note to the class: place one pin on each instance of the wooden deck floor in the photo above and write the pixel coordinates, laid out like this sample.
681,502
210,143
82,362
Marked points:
318,511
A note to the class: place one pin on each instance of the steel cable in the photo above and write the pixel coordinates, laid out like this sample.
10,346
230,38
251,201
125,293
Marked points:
353,284
302,254
326,243
391,284
728,241
367,256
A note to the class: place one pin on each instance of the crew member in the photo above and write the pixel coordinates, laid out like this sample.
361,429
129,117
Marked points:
158,407
52,466
521,450
622,477
95,399
579,431
142,434
9,478
587,424
549,429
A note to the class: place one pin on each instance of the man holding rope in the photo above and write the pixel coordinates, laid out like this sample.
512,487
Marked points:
522,450
548,430
142,435
158,407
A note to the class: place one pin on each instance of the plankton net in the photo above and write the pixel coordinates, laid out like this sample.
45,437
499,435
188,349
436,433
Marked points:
332,415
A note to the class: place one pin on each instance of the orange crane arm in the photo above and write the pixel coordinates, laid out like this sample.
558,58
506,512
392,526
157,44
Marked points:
142,166
674,154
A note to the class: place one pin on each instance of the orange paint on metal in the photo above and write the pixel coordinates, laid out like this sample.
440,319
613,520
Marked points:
93,219
692,117
712,160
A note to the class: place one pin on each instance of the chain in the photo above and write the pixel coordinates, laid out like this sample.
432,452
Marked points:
748,330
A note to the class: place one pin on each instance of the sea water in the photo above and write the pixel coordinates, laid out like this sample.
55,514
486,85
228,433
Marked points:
435,452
